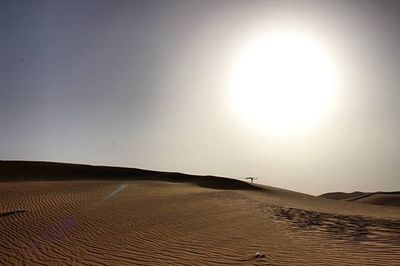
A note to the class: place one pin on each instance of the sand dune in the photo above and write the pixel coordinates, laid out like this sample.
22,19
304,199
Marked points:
118,216
23,171
342,195
376,198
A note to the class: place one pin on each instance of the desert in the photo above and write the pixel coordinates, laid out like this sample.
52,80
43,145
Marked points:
94,215
245,132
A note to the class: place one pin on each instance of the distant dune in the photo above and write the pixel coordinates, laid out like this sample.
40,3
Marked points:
342,195
68,214
376,198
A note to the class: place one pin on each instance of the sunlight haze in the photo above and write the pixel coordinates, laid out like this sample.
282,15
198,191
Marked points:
284,82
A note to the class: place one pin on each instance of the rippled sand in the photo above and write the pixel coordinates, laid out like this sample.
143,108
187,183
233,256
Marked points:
124,222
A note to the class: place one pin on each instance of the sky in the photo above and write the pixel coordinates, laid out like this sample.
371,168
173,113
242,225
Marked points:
146,84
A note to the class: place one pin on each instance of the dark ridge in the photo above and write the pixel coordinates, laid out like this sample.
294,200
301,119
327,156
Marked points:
16,211
11,171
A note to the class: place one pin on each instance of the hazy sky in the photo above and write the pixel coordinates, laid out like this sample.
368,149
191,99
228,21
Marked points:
146,84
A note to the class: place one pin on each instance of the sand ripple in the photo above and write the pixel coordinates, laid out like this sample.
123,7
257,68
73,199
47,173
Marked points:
162,223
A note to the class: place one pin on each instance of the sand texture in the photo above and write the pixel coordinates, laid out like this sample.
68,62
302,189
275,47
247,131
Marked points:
148,218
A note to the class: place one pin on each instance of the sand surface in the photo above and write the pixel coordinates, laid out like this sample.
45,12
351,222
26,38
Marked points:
153,222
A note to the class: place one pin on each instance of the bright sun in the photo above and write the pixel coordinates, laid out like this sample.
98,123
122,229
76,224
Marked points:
283,82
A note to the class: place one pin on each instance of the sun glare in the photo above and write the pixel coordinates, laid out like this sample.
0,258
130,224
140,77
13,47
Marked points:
283,83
